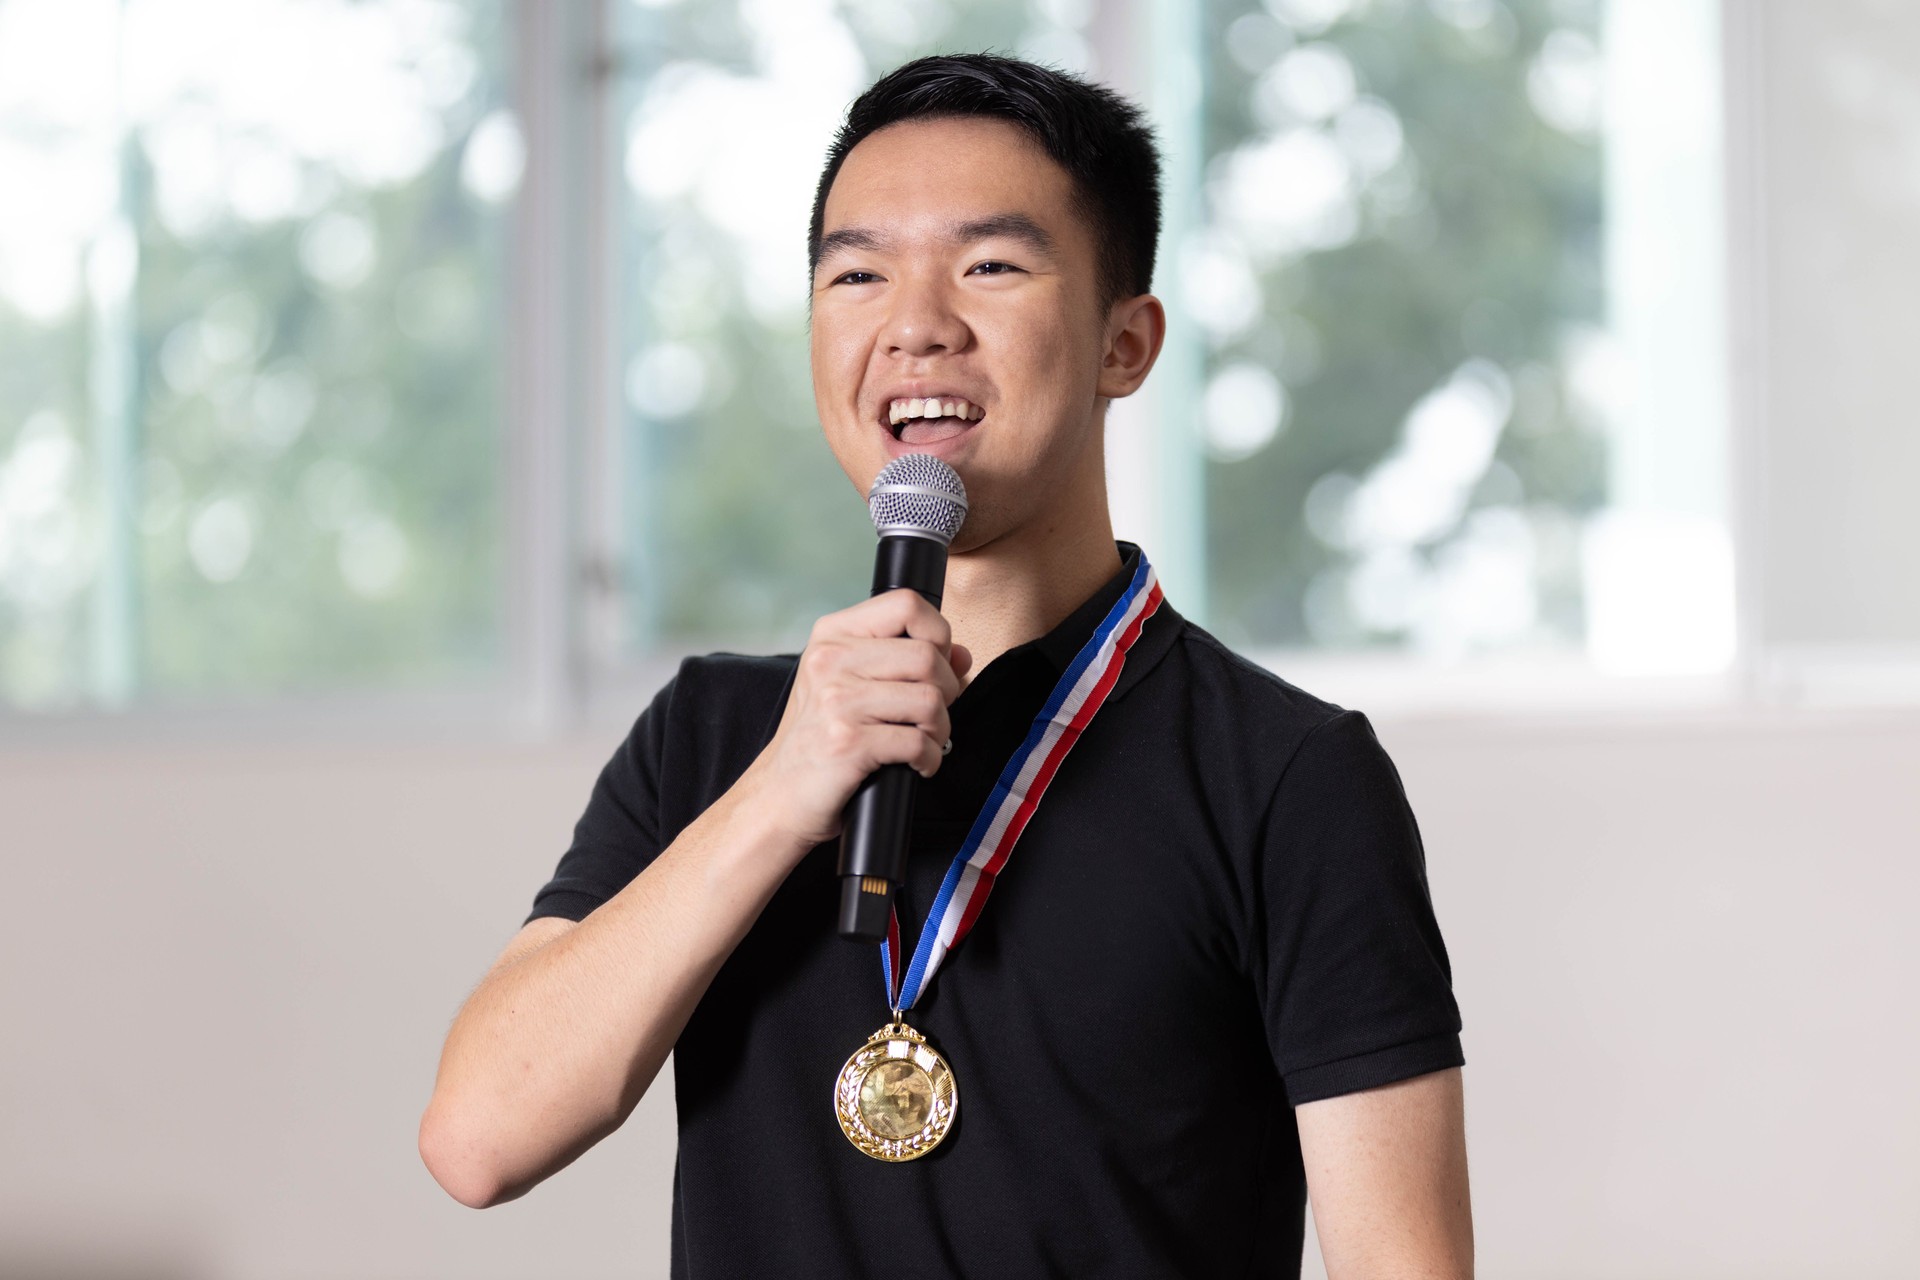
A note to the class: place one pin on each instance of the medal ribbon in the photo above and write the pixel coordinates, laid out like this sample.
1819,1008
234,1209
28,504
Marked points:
1069,709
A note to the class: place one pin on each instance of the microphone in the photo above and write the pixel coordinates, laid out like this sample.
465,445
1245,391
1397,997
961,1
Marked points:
918,505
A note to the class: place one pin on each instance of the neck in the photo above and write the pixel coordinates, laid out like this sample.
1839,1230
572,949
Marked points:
1023,585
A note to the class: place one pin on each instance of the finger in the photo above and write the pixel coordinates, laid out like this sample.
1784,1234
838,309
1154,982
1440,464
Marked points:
903,744
961,659
901,702
900,612
901,658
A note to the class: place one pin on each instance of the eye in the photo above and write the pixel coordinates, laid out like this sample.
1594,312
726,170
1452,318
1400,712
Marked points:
991,268
855,277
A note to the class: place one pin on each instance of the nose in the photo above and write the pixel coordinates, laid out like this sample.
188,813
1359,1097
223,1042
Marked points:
922,321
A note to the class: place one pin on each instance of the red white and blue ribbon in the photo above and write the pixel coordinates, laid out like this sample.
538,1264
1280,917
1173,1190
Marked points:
1084,686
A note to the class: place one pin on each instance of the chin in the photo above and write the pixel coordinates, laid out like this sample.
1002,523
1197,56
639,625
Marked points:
988,521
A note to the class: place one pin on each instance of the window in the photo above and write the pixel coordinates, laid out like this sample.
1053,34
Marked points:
251,298
1386,416
737,525
461,345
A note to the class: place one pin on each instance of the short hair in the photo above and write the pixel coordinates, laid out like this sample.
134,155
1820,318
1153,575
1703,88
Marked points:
1100,139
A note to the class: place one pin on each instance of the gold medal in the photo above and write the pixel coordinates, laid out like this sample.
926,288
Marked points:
895,1098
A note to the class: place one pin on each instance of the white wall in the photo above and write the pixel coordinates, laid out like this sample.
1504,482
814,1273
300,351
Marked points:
1683,951
223,984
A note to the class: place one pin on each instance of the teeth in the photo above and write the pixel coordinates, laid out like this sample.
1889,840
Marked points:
899,411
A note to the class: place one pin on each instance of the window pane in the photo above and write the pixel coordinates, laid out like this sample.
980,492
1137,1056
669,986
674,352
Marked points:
738,527
1399,281
1410,395
255,444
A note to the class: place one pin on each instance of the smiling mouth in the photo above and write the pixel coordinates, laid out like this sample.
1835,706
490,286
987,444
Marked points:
931,419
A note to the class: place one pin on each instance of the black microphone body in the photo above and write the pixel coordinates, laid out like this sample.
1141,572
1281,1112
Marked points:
873,842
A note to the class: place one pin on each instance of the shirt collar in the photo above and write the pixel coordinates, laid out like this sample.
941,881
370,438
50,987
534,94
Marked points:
1060,645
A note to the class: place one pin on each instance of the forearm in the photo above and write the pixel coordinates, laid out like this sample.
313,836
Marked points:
555,1048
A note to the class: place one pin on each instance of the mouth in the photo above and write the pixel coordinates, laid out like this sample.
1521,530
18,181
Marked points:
931,419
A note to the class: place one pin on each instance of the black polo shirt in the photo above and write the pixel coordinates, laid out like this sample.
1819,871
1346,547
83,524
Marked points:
1219,912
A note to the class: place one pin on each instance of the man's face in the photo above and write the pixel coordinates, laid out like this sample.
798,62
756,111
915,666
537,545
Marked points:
956,312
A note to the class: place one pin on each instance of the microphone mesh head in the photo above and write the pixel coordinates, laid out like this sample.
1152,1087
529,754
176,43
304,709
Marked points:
919,495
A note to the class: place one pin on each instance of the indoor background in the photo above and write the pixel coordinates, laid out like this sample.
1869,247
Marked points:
391,391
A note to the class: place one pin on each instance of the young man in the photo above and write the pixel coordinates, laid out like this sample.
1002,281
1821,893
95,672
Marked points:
1207,981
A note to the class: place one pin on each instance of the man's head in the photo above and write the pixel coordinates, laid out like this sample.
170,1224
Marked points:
983,238
1097,136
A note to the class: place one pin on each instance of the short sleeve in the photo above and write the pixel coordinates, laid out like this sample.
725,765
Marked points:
621,831
1354,979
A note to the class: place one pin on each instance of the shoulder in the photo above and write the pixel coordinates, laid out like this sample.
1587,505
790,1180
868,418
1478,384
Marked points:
1234,688
1283,736
733,680
728,692
725,701
701,729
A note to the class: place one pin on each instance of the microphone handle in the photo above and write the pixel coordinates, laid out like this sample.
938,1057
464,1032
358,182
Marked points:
873,840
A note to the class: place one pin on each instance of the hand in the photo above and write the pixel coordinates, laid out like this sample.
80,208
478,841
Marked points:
872,689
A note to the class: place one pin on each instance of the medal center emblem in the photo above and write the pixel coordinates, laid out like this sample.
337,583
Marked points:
896,1098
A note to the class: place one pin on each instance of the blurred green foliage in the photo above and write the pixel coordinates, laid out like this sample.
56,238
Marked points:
1480,242
1489,248
320,480
741,528
316,424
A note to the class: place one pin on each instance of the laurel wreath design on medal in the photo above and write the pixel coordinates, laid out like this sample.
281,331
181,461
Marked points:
896,1097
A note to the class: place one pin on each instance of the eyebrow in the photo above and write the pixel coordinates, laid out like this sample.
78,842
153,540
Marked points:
1011,226
849,238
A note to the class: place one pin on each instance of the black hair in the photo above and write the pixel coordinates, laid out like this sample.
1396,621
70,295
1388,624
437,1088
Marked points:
1097,136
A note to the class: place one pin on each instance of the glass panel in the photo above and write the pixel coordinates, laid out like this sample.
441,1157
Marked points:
1401,287
250,415
1411,382
737,526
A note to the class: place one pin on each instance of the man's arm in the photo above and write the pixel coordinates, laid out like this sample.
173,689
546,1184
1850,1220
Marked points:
560,1040
1387,1175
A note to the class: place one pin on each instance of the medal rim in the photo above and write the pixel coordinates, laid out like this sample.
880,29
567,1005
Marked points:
846,1098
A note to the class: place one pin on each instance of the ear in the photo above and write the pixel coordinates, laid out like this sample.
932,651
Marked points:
1136,327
